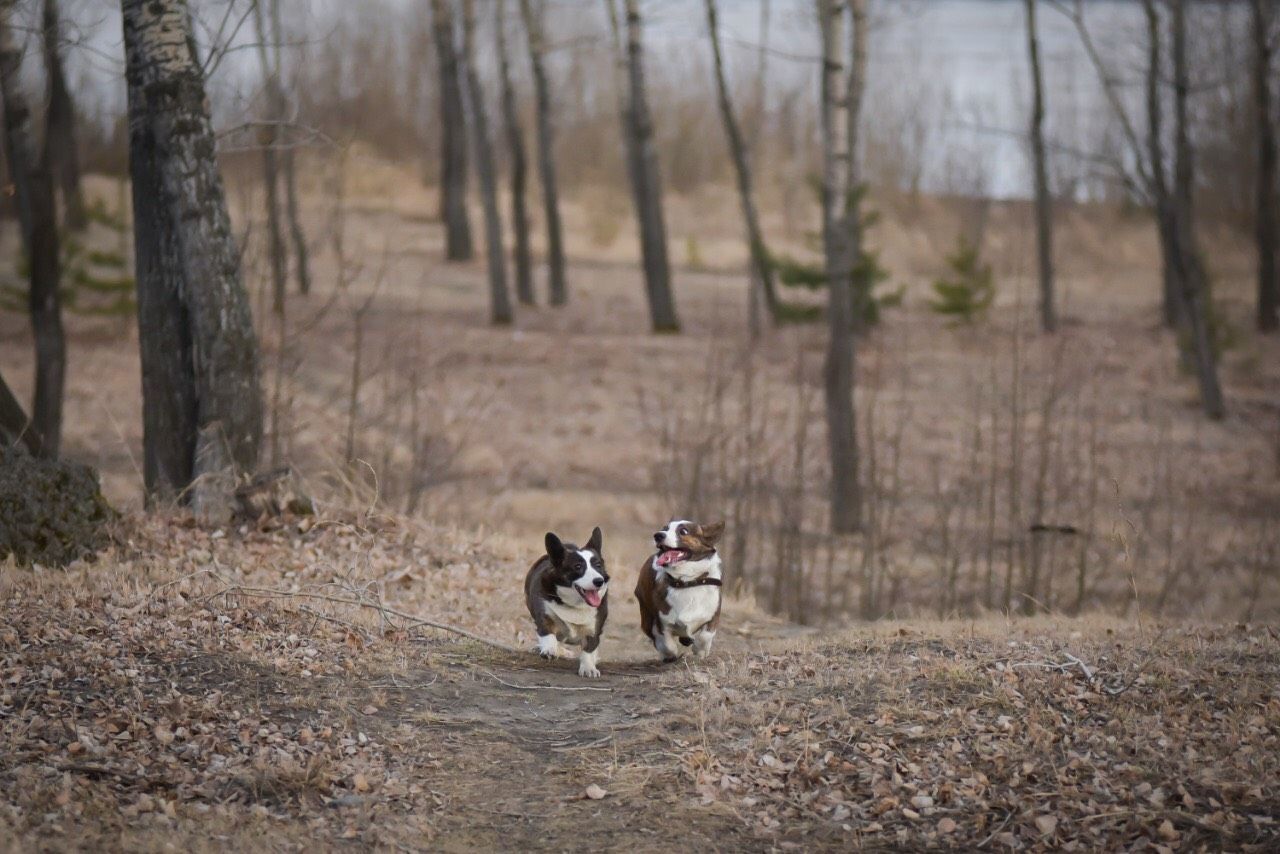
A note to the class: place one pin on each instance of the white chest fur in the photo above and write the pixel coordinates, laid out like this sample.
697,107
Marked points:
575,612
692,607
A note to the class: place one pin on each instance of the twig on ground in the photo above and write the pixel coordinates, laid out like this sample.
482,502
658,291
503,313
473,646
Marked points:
233,588
543,687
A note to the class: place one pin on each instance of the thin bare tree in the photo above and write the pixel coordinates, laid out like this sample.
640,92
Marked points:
646,181
202,405
1044,201
37,214
499,299
762,270
533,13
269,141
1267,218
288,163
1193,281
453,129
1155,180
1185,291
840,242
519,163
60,150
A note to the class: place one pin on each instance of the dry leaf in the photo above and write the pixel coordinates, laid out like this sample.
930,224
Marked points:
595,793
1046,824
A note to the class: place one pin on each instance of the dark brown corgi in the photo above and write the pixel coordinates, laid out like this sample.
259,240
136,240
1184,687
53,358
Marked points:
567,591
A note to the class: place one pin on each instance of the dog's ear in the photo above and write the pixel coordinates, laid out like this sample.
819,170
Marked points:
596,540
712,533
555,549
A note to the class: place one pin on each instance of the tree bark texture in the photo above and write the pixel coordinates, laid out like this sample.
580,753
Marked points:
647,183
762,270
199,353
37,214
453,127
1192,279
839,228
495,252
269,139
519,165
557,280
61,154
1044,201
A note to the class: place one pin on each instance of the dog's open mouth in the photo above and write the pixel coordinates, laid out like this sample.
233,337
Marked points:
667,556
591,597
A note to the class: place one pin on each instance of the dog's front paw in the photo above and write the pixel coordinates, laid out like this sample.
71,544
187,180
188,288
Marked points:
588,671
548,646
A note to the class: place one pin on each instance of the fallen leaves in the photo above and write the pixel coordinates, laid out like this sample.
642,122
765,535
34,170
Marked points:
595,792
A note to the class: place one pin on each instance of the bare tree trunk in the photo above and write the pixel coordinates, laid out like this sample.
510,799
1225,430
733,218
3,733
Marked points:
762,270
453,127
519,164
499,299
647,183
1044,202
199,355
557,282
269,139
1267,217
839,225
288,163
60,153
1192,280
37,213
15,427
1158,184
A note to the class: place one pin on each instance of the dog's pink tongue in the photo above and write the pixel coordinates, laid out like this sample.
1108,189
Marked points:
668,557
592,597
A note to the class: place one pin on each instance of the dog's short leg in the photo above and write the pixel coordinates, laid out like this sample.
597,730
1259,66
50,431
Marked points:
665,644
587,664
587,658
548,646
702,643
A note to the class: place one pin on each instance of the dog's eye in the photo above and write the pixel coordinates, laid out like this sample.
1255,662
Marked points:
597,563
684,532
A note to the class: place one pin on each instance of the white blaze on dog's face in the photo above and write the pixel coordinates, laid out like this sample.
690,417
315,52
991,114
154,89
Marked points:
582,578
684,540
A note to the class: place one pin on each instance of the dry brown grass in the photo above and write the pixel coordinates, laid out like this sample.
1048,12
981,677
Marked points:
472,426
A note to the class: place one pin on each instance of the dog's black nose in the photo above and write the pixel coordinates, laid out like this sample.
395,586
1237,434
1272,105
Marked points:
598,581
657,538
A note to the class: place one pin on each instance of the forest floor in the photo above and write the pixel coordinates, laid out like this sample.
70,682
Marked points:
259,687
181,694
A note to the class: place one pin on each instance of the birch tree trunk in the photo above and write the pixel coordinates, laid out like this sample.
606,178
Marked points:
61,154
557,282
839,239
519,164
499,300
762,270
200,381
269,140
453,127
1192,280
646,182
38,217
1266,219
1044,202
